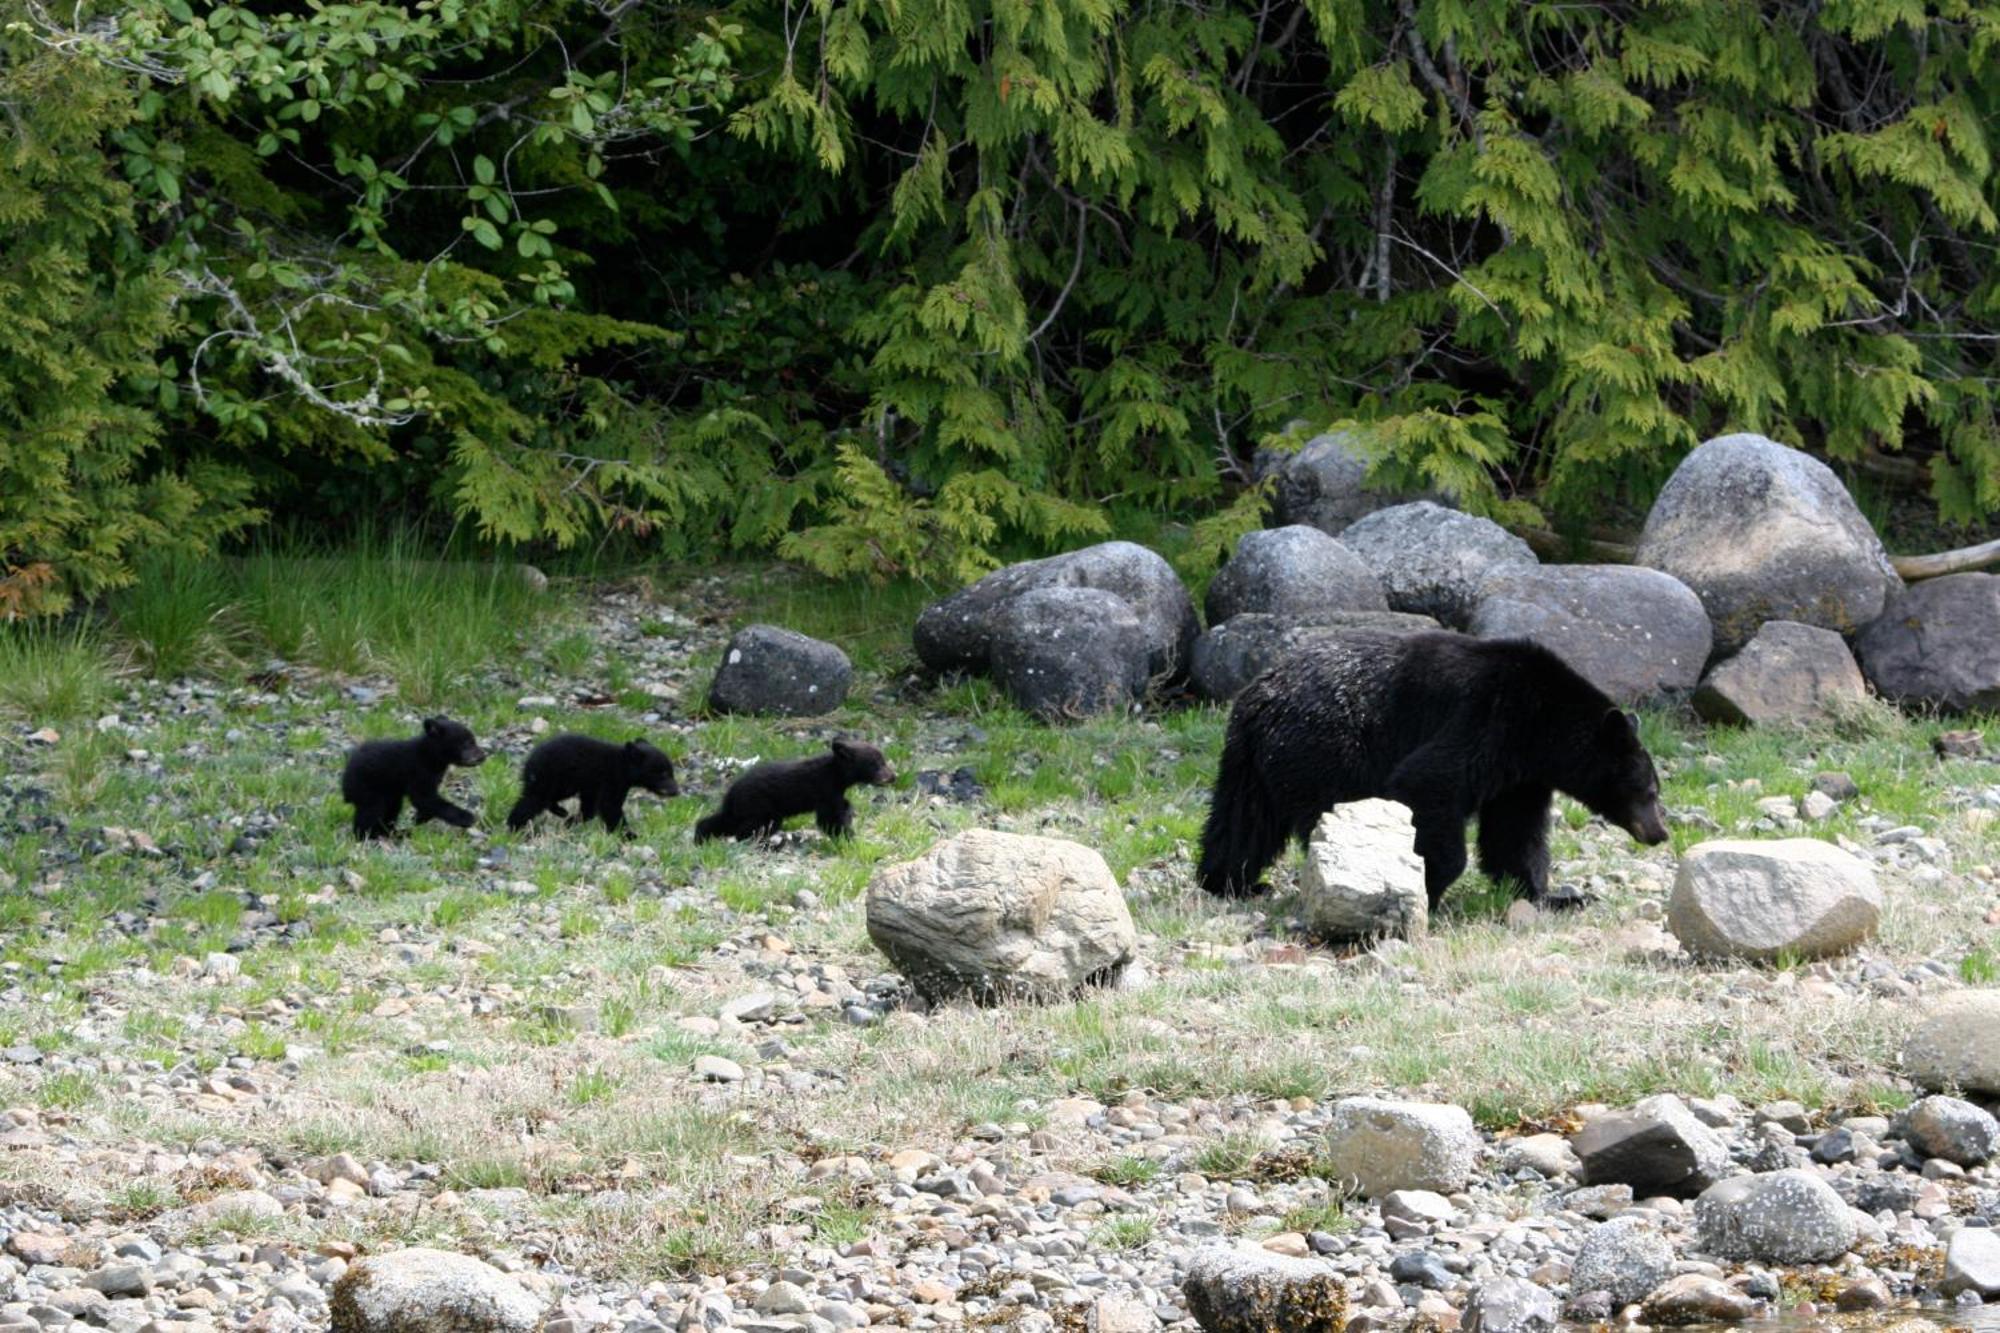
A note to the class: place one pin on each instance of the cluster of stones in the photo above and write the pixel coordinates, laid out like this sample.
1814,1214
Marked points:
1755,585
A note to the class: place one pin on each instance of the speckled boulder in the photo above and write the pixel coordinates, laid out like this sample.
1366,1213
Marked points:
1296,572
767,669
1783,1217
1636,634
1231,1290
1068,653
1627,1257
1510,1305
1435,561
1956,1045
1954,1130
956,633
1231,655
431,1291
1384,1145
1763,532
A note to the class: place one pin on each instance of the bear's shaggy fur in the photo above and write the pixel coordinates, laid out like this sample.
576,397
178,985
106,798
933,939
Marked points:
381,775
758,803
1452,727
598,773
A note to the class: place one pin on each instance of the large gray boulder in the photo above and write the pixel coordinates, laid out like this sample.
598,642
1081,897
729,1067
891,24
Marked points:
1783,1217
1762,532
1295,572
1231,1290
1937,644
1762,898
1955,1046
1787,675
956,633
421,1290
1065,653
1383,1146
1636,634
1972,1263
1324,485
1231,655
1362,878
1435,561
1657,1147
1000,916
767,669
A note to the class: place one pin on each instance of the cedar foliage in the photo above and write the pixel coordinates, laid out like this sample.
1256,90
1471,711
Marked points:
899,285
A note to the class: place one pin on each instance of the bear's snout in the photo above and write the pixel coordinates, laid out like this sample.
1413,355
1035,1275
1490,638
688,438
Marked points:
884,776
1649,825
472,757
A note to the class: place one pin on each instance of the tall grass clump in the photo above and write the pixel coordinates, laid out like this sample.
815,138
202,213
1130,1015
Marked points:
51,672
176,615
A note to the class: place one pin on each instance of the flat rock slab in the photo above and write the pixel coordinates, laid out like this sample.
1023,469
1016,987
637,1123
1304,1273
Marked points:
1657,1147
1787,675
1362,878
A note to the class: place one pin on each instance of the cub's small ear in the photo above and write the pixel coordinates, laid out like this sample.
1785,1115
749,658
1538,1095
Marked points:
632,746
433,725
1618,726
843,748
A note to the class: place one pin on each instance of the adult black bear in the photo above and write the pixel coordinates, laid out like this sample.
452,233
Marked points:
760,801
381,775
598,773
1449,725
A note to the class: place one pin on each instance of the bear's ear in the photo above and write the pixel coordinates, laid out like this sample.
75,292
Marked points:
433,726
632,747
1620,726
843,748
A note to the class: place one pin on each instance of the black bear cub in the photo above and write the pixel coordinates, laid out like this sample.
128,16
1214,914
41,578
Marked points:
760,801
1449,725
598,773
381,775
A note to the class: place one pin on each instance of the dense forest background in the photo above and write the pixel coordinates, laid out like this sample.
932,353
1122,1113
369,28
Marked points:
891,286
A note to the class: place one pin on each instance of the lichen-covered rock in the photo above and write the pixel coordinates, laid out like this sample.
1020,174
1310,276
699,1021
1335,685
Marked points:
1067,653
1788,674
1510,1305
420,1290
1383,1146
1435,561
1657,1147
1362,878
956,633
1760,898
1782,1217
1636,634
1231,655
1937,644
1295,572
768,669
1956,1045
1627,1257
1002,915
1761,532
1254,1291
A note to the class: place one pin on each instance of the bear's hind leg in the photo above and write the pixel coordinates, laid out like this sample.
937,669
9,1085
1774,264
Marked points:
835,818
524,810
375,817
1514,839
